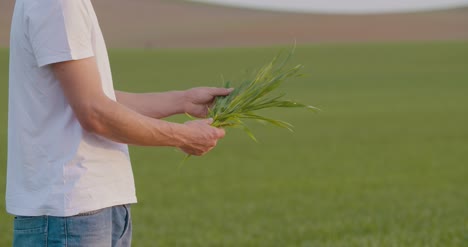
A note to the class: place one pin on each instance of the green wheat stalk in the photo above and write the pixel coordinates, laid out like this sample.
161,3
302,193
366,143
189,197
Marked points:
255,94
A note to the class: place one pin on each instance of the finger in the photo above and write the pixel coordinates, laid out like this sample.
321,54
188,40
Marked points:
206,151
208,121
193,152
220,133
214,91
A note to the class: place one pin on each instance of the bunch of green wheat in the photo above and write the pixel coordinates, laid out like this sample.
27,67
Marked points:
256,94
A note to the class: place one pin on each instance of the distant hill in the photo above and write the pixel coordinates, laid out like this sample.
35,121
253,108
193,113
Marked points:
161,24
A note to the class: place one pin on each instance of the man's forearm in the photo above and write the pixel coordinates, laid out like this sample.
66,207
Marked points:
155,105
115,121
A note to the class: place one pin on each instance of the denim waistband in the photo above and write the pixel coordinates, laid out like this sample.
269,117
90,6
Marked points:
91,212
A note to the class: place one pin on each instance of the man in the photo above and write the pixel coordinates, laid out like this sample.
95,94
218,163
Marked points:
69,180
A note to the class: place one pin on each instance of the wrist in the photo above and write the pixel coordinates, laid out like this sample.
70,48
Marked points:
177,102
179,134
184,101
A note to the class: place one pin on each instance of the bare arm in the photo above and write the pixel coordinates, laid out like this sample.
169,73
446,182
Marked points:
194,101
97,113
155,105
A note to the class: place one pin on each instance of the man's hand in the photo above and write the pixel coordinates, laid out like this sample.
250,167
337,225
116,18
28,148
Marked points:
201,137
198,100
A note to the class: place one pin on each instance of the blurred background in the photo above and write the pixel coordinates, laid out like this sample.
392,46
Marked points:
384,164
164,24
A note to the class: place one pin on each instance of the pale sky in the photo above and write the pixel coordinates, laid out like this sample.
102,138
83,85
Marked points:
343,6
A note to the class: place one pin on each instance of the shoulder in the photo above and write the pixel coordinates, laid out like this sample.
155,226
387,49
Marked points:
35,5
49,7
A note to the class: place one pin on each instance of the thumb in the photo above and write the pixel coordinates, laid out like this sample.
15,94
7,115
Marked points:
208,121
221,91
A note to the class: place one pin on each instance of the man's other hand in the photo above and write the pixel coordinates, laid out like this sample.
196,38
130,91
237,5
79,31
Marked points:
201,137
198,100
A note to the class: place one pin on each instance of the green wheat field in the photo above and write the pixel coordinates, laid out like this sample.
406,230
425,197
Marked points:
385,164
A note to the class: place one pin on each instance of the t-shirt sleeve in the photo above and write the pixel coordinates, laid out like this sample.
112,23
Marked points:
60,30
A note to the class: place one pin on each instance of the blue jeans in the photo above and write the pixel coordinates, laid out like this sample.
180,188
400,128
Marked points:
102,228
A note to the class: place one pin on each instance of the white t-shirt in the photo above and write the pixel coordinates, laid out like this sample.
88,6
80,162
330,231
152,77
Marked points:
55,167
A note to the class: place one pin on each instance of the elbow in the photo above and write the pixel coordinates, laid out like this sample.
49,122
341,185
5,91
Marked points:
91,125
91,120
